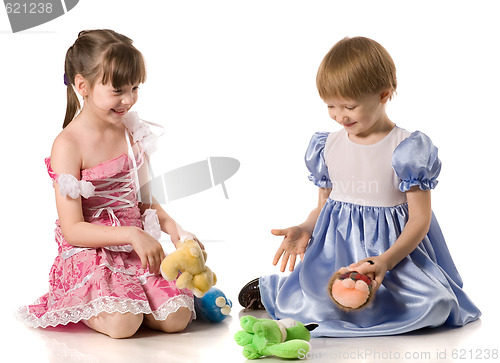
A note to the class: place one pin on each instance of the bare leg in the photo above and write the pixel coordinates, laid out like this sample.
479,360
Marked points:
116,325
175,322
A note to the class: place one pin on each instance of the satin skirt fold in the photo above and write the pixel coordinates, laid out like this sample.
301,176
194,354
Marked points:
423,290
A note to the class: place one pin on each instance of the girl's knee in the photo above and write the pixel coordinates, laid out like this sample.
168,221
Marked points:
175,322
116,325
124,325
179,320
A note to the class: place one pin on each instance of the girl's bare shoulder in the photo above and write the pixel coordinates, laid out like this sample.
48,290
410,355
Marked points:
66,152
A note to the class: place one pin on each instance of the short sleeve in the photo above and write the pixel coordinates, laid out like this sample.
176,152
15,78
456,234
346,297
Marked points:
415,161
315,160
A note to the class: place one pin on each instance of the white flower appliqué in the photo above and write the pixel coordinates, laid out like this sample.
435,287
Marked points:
149,143
151,223
69,185
140,132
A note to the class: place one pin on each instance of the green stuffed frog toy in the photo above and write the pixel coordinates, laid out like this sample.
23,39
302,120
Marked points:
285,338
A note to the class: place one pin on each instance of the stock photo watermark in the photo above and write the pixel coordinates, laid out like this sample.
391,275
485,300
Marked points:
190,179
25,15
484,354
356,186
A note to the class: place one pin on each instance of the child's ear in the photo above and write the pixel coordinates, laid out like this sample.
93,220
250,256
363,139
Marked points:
385,96
81,85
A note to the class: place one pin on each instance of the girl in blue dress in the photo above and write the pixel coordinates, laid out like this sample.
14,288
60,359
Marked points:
375,182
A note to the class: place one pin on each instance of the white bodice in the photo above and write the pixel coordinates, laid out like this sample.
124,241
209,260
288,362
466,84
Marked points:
363,174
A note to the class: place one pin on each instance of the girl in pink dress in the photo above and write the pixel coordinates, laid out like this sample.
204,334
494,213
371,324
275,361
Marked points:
106,273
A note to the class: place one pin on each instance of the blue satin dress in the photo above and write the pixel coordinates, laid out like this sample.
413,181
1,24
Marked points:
423,290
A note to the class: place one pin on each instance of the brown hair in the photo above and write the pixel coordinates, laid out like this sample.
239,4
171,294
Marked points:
354,67
101,53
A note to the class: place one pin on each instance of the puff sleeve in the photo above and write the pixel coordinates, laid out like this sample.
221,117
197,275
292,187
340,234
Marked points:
415,161
315,160
69,185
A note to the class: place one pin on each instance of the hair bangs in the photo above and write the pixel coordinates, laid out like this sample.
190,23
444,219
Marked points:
337,83
355,67
123,65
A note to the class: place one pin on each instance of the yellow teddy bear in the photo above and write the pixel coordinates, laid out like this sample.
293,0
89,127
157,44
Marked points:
190,260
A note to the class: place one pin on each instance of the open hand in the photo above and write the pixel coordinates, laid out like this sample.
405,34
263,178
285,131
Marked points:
294,243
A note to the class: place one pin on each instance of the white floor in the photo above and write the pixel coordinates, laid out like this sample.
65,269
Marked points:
205,342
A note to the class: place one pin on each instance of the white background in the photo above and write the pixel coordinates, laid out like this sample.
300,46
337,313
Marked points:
237,79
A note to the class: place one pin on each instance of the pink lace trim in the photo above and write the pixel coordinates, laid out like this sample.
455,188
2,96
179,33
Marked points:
105,304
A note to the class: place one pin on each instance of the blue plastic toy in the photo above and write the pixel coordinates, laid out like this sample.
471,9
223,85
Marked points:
214,306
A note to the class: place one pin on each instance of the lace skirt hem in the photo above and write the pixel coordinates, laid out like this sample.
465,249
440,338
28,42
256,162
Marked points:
106,304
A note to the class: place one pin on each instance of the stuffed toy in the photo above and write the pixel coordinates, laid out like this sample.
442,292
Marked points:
285,338
350,289
213,307
188,259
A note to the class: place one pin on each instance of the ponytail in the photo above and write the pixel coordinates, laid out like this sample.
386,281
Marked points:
72,106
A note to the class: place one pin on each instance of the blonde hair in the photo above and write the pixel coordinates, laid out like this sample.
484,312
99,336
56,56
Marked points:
101,53
355,67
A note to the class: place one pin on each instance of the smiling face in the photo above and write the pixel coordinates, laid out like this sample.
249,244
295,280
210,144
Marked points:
360,117
103,66
111,104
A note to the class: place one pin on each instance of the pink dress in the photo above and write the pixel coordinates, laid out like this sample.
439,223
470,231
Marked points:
87,281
